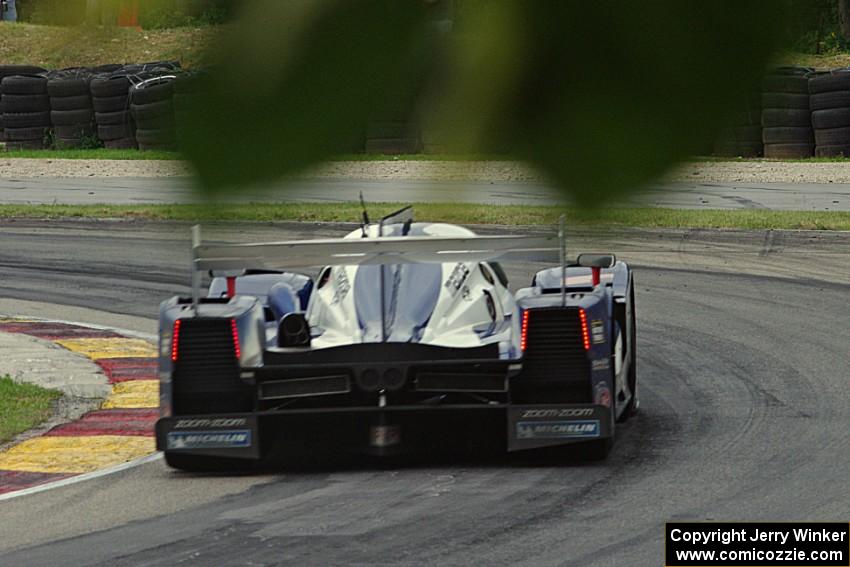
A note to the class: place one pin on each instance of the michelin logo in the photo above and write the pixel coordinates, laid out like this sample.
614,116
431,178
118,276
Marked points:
557,429
209,439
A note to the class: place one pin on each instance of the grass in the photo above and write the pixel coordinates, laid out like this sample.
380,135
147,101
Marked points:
460,213
56,47
22,407
99,153
824,61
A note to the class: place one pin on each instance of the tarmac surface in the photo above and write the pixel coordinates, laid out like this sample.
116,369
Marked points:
742,369
160,190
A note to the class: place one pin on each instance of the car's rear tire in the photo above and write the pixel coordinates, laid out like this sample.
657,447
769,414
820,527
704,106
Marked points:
631,378
633,404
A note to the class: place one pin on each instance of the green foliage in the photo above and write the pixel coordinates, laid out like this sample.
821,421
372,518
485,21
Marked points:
87,142
565,85
814,27
90,142
22,406
53,12
49,140
153,14
161,14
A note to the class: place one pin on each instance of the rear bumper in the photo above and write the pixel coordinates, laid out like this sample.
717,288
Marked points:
387,429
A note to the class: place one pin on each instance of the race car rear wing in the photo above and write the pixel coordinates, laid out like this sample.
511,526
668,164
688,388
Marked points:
359,252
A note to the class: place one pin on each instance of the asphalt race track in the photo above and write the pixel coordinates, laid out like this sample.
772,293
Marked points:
159,190
743,372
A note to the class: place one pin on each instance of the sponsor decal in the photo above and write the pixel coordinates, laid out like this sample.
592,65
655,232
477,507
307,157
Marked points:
556,413
342,287
211,422
600,364
602,394
456,279
226,439
557,429
597,331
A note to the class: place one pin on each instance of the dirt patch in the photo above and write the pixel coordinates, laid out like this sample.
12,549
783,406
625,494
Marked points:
425,171
11,168
760,172
461,171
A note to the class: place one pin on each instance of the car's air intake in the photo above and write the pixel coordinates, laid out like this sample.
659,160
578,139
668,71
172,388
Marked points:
555,367
206,368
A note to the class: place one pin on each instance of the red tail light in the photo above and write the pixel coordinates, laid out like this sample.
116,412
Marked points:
175,340
585,335
235,332
523,338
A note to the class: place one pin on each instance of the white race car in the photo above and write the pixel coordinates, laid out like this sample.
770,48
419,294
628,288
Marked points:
409,338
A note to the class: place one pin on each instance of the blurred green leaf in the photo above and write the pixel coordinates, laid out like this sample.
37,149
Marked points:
601,96
299,82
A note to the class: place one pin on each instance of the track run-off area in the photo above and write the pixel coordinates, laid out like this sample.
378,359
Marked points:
745,407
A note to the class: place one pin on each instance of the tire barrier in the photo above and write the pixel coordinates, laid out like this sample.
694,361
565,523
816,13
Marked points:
71,111
785,116
111,93
8,71
72,108
743,138
26,111
76,107
189,91
152,107
799,112
111,102
396,137
829,98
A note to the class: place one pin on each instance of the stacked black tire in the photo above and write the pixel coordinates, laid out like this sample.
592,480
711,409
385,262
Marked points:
743,138
830,104
152,106
11,70
393,137
71,111
111,101
26,111
189,89
785,116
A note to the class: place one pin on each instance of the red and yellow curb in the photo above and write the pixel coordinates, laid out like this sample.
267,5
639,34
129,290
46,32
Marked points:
120,431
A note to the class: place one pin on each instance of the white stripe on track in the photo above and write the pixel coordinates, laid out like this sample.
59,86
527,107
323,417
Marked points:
82,477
